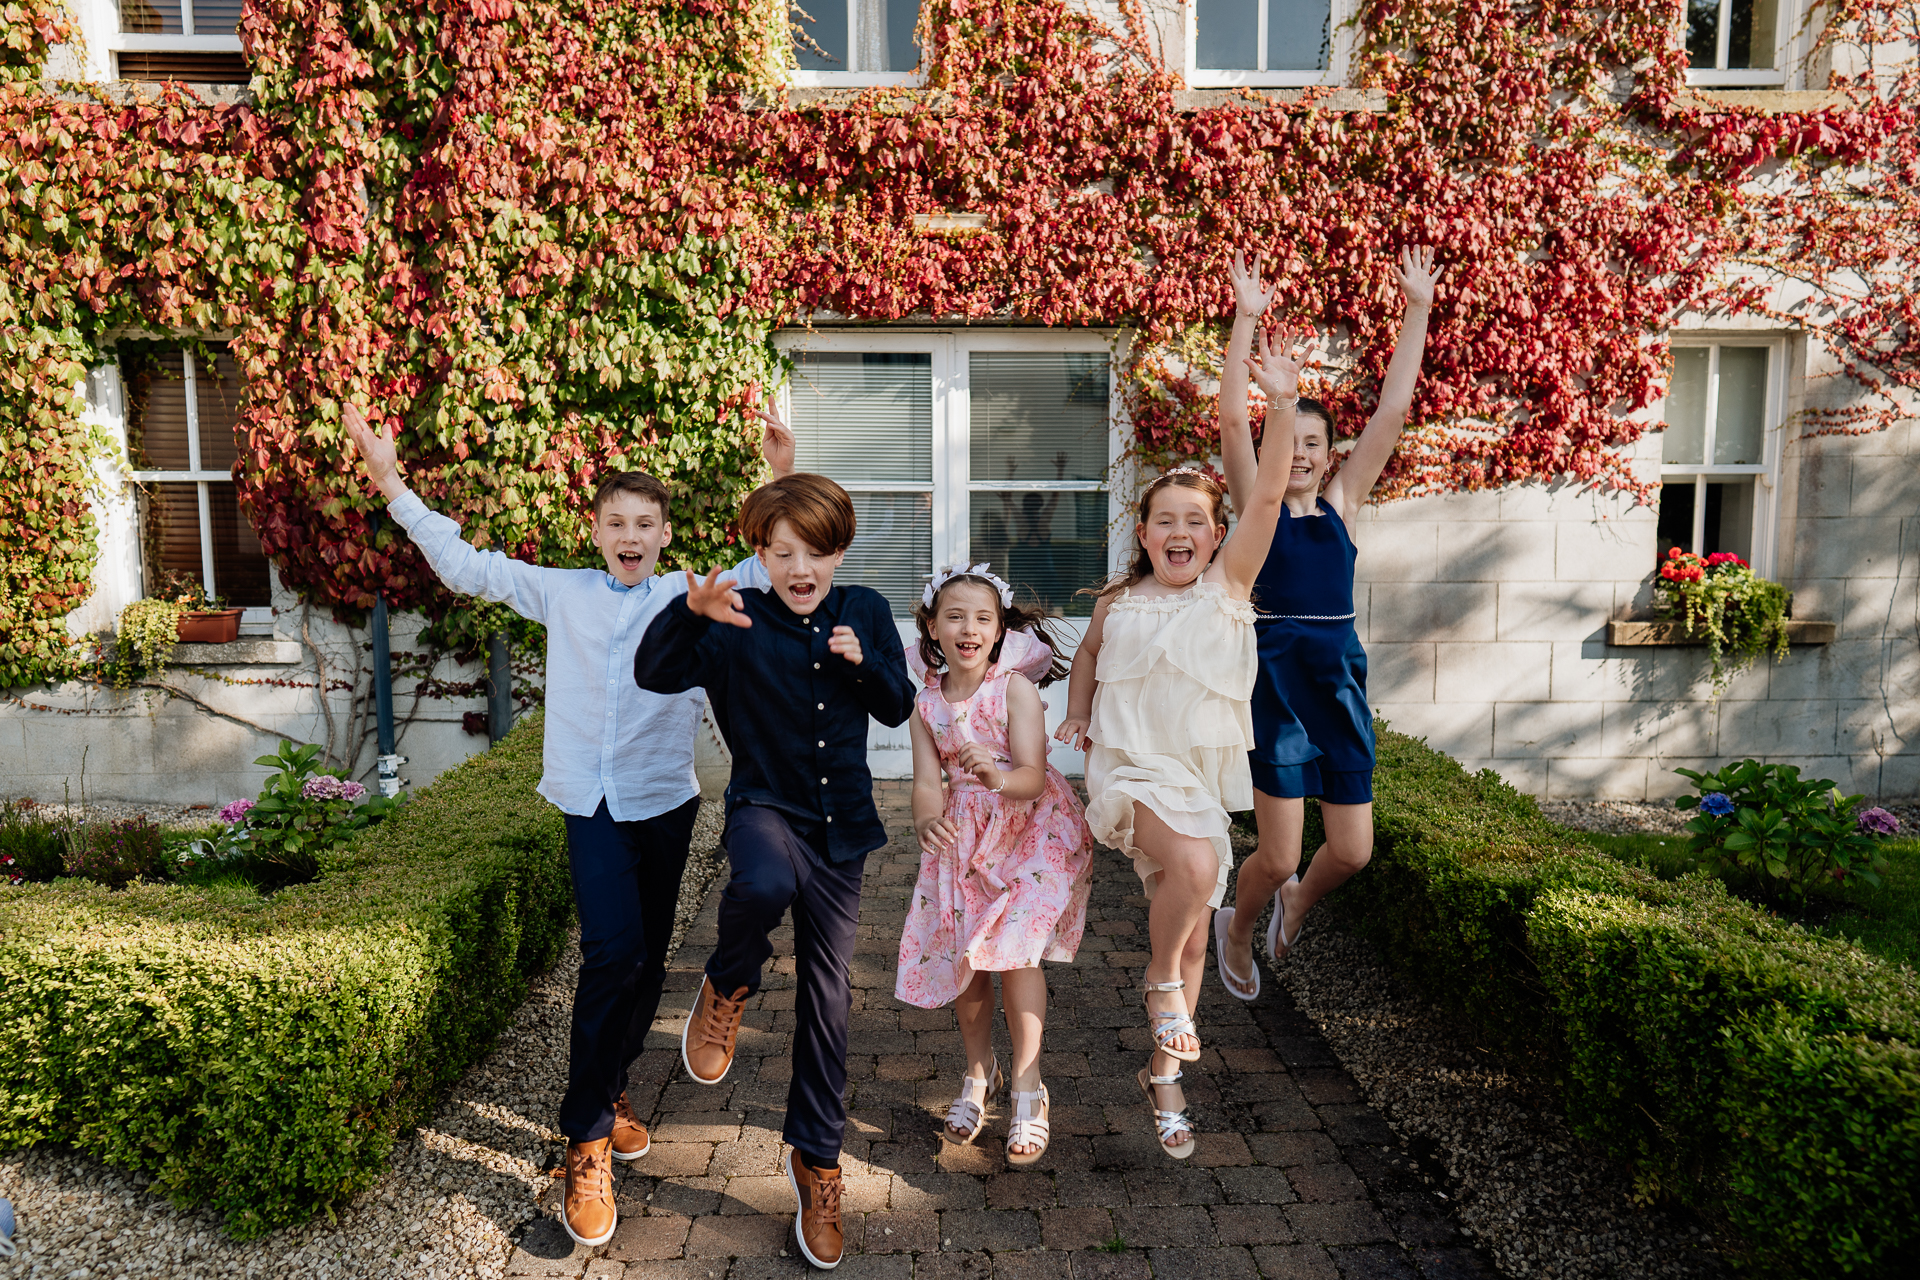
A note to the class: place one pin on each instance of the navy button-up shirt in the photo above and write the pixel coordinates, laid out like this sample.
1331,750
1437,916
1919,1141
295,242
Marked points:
793,712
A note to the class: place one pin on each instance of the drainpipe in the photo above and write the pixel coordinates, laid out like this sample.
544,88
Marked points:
389,763
499,688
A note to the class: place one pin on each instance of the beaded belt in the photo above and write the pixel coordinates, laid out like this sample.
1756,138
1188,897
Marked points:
1305,617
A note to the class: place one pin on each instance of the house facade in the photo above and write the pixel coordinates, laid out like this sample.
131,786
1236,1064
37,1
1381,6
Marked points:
1497,618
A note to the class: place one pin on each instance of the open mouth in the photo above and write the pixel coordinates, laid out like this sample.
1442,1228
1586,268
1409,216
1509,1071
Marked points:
630,559
1179,557
801,590
967,648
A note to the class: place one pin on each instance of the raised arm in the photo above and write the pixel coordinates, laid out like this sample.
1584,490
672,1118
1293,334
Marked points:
1250,302
490,575
1278,373
1346,491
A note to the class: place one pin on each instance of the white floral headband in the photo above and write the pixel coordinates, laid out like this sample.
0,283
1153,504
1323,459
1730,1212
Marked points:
947,573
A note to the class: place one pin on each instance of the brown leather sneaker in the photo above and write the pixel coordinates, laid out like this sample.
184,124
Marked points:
816,1224
587,1211
630,1140
706,1042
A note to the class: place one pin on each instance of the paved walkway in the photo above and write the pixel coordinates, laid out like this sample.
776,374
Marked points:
1294,1176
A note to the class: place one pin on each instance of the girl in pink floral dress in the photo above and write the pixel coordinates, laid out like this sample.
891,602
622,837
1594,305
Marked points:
1004,848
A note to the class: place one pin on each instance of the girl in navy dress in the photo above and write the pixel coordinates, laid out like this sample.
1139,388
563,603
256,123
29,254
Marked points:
1313,731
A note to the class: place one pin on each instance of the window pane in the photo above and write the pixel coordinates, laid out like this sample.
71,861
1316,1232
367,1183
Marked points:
1686,434
219,412
170,534
820,35
1703,33
1048,545
1227,34
1038,415
150,17
159,439
892,549
902,53
864,416
239,565
1298,34
1730,518
1750,40
1740,416
1676,517
216,17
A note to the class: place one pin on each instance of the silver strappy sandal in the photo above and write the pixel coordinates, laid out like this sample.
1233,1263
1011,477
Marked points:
1168,1124
1029,1127
967,1117
1170,1026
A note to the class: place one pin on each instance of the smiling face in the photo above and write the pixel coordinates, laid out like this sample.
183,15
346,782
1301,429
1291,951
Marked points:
801,575
966,624
630,530
1312,450
1179,535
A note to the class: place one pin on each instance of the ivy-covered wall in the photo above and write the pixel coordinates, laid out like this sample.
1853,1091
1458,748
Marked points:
553,238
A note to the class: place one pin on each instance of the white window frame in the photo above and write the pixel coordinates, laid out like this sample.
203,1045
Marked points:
889,751
852,79
1339,51
200,477
1786,22
1764,474
119,41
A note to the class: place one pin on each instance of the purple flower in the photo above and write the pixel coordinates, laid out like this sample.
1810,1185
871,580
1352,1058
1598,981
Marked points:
235,811
353,791
1877,821
1716,803
323,787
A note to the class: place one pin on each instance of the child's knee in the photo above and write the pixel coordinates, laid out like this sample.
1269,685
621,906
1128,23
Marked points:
1195,949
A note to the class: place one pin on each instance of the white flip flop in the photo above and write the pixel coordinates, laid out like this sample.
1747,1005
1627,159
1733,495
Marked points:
1222,919
1277,925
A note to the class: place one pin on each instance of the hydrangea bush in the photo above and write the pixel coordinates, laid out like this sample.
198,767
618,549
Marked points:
1787,832
302,811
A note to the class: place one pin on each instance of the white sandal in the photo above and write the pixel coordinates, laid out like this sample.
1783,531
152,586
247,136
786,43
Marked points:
1171,1026
966,1116
1278,945
1027,1128
1222,921
1168,1123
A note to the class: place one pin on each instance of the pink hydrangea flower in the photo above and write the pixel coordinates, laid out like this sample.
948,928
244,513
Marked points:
353,791
235,811
323,787
1878,821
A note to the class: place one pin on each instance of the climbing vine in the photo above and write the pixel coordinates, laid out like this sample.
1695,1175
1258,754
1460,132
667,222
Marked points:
550,239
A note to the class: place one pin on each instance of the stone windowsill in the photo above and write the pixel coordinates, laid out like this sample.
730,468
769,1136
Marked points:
1769,101
903,100
247,651
1628,632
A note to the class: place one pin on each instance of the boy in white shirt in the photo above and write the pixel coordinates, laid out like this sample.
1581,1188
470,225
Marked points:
617,761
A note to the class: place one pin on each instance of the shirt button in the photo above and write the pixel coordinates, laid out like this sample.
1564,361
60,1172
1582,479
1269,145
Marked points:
819,706
823,742
829,817
816,666
823,782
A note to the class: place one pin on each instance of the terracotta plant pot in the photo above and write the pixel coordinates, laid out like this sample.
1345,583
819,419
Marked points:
218,627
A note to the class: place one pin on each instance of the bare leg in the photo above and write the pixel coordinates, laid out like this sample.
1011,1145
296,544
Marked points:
974,1009
1024,992
1349,847
1270,865
1178,923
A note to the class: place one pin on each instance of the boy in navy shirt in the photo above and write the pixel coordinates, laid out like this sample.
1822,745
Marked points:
618,763
793,672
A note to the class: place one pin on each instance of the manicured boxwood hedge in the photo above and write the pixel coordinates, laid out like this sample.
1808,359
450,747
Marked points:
1739,1063
259,1056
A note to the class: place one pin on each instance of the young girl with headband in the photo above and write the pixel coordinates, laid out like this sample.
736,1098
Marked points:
1159,697
1313,730
1004,849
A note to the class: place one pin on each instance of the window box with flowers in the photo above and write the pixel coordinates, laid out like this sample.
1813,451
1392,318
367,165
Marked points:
1717,601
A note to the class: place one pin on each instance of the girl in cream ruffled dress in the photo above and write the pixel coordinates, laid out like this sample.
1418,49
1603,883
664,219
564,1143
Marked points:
1159,699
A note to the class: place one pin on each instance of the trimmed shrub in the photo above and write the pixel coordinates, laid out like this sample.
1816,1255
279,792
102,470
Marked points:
259,1056
1725,1058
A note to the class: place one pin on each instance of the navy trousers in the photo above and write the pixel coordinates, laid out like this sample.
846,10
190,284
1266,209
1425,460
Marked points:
626,884
779,863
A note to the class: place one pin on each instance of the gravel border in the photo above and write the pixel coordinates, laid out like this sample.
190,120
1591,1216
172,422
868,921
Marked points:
461,1188
1540,1202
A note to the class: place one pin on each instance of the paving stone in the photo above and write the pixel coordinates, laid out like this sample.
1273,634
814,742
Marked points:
1378,1262
1349,1222
1252,1224
989,1229
952,1266
897,1231
746,1235
1326,1182
1260,1184
649,1238
1079,1227
1032,1264
1099,1265
1225,1263
1295,1262
1453,1263
1020,1189
1169,1226
1108,1190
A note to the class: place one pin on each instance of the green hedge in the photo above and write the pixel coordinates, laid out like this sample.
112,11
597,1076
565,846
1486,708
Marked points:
259,1056
1739,1063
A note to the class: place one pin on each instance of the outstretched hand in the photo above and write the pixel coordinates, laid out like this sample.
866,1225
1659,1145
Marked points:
777,444
1249,299
1073,732
377,452
1277,371
1419,277
715,600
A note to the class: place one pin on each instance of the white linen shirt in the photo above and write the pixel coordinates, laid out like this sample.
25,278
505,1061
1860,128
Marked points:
606,738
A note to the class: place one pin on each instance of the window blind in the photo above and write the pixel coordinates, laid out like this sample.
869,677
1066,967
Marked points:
1038,415
864,417
892,549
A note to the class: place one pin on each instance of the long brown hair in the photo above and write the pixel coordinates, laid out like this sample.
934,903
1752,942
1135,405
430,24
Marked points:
1180,477
1013,617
